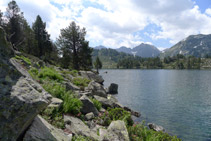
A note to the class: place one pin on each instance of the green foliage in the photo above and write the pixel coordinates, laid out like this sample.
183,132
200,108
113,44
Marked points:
71,104
81,82
113,114
72,72
96,103
27,60
55,89
139,132
81,138
33,72
98,63
50,73
43,38
75,50
54,116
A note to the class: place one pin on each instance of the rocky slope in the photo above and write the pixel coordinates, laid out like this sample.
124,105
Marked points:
195,45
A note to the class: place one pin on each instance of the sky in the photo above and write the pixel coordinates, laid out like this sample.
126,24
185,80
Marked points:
116,23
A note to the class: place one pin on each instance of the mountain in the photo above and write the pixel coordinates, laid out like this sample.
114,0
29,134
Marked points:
195,45
142,50
100,47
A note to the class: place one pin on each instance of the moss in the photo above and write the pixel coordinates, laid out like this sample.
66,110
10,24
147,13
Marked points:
81,138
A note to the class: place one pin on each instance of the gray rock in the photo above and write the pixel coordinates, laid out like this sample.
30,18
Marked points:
78,127
55,102
116,131
156,127
88,106
21,97
134,113
92,76
71,86
42,130
97,89
108,102
113,88
89,116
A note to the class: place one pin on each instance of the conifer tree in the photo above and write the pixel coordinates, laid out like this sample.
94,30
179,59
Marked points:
98,64
75,50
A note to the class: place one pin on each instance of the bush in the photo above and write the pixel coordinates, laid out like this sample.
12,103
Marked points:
50,73
55,89
73,72
33,72
81,138
81,82
27,60
54,116
71,104
96,103
117,114
140,132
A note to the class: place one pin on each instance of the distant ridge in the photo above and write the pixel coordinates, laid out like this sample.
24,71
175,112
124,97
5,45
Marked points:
142,50
195,45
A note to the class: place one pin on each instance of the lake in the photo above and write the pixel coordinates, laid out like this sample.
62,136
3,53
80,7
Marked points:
178,100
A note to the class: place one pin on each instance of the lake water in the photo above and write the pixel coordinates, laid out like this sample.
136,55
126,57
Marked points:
178,100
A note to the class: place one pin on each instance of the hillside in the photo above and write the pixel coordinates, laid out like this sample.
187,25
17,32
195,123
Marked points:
142,50
109,57
194,45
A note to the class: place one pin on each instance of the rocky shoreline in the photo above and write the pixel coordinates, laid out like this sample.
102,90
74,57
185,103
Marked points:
35,102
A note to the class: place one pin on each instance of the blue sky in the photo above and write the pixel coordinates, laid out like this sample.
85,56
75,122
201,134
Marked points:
115,23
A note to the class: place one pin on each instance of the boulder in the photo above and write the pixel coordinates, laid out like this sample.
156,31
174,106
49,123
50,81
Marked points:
55,102
108,102
113,88
71,86
88,106
42,130
79,128
97,89
134,113
92,76
21,97
89,116
116,131
156,127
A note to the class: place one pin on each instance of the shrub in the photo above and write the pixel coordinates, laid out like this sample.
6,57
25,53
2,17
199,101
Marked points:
55,89
33,72
81,138
96,103
71,104
50,73
73,72
54,116
117,114
141,132
27,60
81,82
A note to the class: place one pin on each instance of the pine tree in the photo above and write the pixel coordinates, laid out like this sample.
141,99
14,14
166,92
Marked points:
75,49
98,64
14,26
42,37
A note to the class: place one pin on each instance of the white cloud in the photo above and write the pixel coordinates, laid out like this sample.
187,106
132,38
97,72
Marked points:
119,22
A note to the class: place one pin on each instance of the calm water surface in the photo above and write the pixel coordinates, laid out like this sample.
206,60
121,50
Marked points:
179,100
